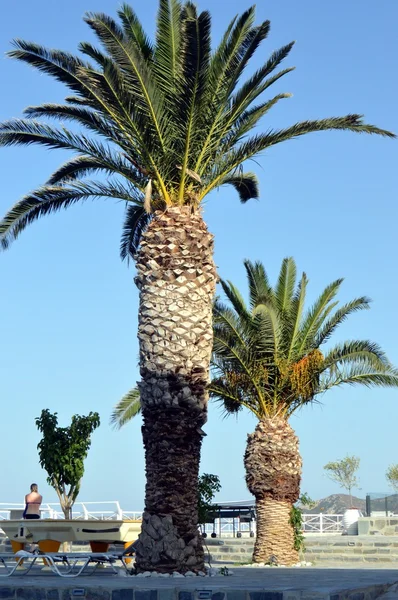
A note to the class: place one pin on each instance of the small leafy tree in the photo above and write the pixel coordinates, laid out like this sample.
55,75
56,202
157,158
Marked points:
343,472
62,451
392,477
208,486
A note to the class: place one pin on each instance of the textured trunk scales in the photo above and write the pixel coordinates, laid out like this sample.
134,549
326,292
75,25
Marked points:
176,278
273,474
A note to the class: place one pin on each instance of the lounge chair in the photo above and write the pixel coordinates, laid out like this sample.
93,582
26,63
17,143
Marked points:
23,561
73,564
71,560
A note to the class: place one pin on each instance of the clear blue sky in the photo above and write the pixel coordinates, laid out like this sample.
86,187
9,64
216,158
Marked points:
68,307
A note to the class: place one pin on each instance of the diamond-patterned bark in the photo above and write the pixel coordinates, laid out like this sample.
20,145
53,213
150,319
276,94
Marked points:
273,474
176,277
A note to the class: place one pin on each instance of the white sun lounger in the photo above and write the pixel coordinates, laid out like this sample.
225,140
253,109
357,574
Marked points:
10,562
73,564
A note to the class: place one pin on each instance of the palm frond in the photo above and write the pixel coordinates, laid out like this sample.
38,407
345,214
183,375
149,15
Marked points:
93,52
228,331
236,299
324,334
91,119
126,409
356,352
255,37
362,374
292,324
75,168
256,144
60,65
168,62
237,130
50,199
258,83
267,331
246,184
135,70
259,286
230,400
134,32
135,223
285,286
316,315
223,64
196,56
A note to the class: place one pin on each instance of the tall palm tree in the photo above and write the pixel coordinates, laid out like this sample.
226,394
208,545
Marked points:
163,123
267,359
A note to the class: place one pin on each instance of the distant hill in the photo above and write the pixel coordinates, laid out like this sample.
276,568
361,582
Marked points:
336,504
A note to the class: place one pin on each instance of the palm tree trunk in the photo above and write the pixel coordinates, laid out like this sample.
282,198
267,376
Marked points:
273,474
176,278
275,537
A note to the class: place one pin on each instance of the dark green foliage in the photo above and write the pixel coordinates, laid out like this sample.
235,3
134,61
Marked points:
208,486
167,119
296,520
62,451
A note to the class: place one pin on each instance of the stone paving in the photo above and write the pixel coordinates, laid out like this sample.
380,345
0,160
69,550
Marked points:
244,584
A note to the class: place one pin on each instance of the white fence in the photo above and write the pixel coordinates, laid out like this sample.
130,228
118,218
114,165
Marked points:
111,510
312,523
107,510
322,523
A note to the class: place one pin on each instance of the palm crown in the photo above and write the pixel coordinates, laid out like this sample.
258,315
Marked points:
165,121
267,356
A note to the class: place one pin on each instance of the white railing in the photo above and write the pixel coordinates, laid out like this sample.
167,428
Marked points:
322,523
111,510
106,510
312,523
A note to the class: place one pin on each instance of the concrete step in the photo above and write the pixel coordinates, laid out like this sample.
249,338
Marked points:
230,558
324,549
345,559
243,541
349,550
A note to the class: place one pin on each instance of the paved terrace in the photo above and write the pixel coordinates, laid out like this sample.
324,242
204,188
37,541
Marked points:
244,584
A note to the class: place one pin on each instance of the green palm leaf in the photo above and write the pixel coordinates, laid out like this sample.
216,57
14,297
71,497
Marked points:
134,32
168,63
246,184
339,317
126,409
137,72
286,283
50,199
136,221
317,315
259,286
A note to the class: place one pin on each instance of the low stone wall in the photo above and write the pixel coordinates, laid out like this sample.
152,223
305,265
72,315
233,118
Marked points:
378,526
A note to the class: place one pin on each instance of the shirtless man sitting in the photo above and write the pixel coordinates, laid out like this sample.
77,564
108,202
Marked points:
32,502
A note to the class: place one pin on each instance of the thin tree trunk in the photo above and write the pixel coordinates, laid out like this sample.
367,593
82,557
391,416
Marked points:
275,536
176,278
273,473
67,510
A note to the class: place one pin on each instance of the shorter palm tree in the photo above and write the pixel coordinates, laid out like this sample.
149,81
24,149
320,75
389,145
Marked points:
267,358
